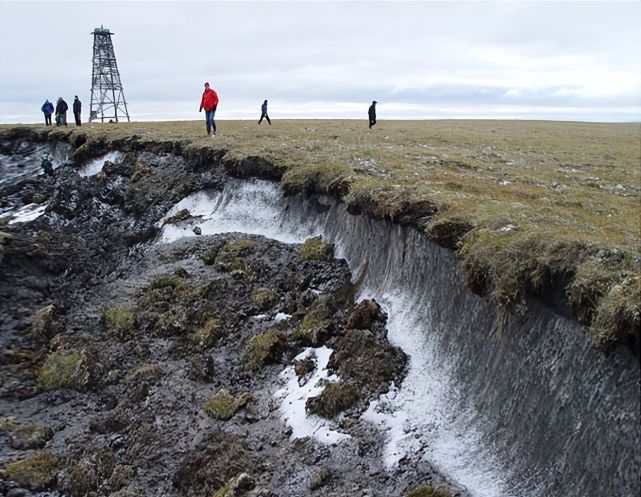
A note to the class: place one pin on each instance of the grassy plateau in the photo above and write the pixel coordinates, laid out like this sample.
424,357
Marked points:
533,208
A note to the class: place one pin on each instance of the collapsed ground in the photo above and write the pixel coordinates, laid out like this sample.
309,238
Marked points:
539,209
135,369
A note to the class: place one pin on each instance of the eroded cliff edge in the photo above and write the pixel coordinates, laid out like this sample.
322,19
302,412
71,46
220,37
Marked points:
525,374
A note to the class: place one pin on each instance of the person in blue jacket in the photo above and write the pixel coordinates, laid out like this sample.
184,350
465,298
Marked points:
263,113
47,110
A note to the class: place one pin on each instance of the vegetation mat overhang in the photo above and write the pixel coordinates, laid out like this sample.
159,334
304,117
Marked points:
533,208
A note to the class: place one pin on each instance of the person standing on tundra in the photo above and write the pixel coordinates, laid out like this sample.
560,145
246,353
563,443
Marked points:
77,107
61,112
263,113
47,110
372,114
209,102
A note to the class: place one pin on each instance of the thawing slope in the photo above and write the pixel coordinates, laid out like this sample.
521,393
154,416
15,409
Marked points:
506,405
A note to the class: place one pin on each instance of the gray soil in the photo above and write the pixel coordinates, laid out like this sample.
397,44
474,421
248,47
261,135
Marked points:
130,418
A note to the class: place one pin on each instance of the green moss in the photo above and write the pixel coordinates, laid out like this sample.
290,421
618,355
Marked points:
165,305
120,321
181,215
334,399
25,436
66,369
317,323
264,298
429,491
36,472
314,249
264,348
240,248
232,257
224,405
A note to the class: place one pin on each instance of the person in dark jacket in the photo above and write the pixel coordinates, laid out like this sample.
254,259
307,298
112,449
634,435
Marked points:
77,107
209,102
47,110
61,112
263,113
372,114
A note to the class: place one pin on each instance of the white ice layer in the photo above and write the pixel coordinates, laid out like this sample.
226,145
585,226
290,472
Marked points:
293,395
25,213
281,316
427,404
249,207
95,166
424,416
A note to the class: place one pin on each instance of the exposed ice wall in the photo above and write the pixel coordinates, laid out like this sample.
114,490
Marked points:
94,166
531,411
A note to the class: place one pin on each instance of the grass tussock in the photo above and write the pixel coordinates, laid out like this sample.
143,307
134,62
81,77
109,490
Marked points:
66,369
181,215
315,249
209,333
224,405
334,399
264,348
429,491
484,188
120,321
36,471
264,298
25,436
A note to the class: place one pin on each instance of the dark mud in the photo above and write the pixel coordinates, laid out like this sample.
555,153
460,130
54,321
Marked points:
131,368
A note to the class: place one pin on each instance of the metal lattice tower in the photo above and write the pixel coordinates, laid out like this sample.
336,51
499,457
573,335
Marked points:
107,96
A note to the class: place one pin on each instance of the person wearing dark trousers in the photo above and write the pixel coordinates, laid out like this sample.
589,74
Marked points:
209,102
263,113
372,114
77,106
47,110
61,112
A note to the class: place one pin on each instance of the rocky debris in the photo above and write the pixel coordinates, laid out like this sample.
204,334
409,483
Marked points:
150,369
25,436
218,458
364,315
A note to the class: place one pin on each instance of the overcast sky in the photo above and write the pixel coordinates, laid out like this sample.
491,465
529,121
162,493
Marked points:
575,60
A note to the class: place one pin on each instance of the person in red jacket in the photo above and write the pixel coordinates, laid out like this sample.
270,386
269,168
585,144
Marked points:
209,102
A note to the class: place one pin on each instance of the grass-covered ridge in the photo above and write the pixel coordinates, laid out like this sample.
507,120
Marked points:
532,207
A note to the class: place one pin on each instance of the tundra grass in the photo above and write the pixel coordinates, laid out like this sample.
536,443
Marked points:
529,206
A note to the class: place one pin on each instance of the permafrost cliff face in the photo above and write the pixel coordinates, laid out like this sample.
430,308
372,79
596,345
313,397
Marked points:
505,405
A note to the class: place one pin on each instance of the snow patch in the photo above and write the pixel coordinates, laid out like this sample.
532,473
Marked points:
293,396
95,166
25,213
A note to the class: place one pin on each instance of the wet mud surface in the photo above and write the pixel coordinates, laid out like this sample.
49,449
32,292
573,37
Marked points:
134,368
